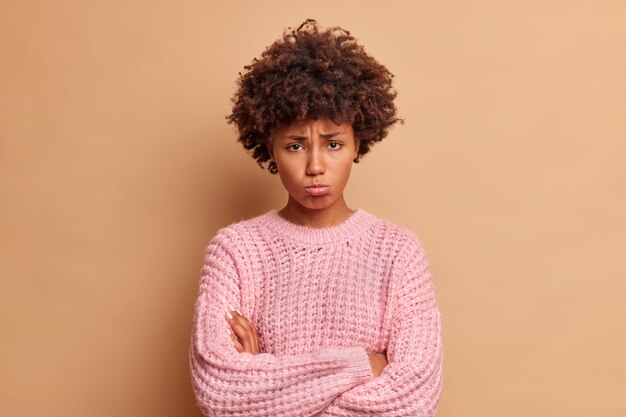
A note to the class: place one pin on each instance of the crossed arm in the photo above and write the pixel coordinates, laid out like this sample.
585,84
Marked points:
246,339
231,377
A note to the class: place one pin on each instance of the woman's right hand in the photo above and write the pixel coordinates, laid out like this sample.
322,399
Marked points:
246,339
378,361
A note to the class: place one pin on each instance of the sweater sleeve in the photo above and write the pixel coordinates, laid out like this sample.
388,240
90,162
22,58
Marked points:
410,384
229,383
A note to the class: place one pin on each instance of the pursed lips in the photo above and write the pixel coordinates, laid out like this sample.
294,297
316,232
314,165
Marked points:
317,189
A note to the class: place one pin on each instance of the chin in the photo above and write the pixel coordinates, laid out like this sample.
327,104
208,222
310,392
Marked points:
316,203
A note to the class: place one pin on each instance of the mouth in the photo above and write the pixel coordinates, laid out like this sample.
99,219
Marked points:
317,190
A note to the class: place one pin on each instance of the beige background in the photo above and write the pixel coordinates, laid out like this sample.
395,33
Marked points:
117,167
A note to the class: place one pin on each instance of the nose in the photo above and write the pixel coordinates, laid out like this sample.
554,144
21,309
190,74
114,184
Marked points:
315,163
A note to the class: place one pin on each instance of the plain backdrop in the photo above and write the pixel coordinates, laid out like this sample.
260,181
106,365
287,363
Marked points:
117,167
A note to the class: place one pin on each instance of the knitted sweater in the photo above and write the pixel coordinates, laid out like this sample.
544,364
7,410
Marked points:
321,299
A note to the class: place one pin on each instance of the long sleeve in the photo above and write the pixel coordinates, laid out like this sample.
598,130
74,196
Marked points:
410,385
229,383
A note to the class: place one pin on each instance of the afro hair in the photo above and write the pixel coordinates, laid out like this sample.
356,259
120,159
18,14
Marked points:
310,73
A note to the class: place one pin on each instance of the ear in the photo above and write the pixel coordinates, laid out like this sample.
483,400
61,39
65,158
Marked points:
357,144
270,147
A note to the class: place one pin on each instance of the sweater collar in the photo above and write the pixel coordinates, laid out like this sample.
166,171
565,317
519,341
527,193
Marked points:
354,225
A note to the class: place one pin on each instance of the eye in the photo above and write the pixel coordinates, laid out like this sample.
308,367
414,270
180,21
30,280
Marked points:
334,145
294,147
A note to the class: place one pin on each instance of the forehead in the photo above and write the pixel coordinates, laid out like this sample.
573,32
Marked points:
323,124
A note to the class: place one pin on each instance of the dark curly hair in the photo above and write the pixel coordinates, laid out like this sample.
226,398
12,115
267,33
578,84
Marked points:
308,74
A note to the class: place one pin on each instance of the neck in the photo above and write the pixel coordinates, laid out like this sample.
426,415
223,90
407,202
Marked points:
324,217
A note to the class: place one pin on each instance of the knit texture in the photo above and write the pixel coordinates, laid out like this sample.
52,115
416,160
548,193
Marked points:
321,299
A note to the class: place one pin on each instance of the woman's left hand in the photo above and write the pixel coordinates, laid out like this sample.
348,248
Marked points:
245,336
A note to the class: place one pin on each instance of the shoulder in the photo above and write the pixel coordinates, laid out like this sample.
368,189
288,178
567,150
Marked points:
393,232
230,245
407,244
410,262
239,232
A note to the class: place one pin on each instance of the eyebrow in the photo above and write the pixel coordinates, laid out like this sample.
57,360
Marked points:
323,135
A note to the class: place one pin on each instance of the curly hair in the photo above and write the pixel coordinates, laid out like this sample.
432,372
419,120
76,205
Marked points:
308,74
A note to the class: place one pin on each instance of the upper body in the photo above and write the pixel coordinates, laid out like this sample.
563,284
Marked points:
321,299
316,309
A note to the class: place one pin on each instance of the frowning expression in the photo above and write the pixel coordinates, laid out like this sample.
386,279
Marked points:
314,160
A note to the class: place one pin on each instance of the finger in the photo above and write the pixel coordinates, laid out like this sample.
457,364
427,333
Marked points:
239,331
231,333
251,339
254,336
252,332
232,316
243,336
234,310
238,345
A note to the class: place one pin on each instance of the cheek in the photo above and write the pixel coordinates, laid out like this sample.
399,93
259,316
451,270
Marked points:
338,175
346,173
342,167
287,171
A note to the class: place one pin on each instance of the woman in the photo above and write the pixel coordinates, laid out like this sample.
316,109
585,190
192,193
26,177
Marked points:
316,309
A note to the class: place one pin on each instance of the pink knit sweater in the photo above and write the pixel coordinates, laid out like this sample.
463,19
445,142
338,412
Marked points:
321,299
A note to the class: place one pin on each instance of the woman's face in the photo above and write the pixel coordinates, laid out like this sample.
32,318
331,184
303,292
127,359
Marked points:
314,160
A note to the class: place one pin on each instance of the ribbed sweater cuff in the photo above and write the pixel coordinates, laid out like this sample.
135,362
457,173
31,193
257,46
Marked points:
358,363
361,367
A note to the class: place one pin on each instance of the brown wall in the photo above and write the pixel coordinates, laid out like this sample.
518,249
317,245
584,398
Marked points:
117,167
